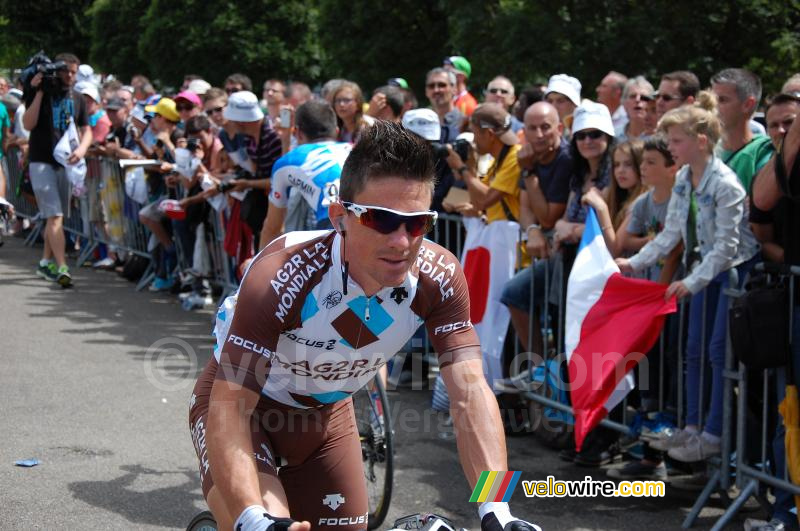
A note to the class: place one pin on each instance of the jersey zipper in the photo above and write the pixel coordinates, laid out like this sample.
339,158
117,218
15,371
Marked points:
366,309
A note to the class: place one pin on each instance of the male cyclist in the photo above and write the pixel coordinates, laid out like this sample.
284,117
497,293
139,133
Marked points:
317,315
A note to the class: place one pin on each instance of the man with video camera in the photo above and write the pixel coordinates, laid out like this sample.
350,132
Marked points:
50,106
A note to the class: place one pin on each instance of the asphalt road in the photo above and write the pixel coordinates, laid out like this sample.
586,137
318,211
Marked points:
95,384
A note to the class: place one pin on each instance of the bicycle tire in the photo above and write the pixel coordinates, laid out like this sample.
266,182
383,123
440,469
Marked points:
203,522
377,449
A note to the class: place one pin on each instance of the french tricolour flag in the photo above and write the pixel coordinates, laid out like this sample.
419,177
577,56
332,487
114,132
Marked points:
611,323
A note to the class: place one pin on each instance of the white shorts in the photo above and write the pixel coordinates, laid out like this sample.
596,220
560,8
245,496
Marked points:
51,188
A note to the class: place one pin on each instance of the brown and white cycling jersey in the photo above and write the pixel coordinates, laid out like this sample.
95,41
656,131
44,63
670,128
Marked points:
291,334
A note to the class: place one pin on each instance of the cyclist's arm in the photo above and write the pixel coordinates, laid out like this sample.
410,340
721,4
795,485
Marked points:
476,417
229,445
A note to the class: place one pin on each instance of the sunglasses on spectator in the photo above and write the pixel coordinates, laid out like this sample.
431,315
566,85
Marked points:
440,84
214,110
231,90
583,135
343,101
497,90
184,107
667,97
386,220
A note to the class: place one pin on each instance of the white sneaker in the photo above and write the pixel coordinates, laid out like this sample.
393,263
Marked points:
670,439
105,263
697,448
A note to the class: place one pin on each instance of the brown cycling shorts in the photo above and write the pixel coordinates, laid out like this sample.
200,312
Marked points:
319,451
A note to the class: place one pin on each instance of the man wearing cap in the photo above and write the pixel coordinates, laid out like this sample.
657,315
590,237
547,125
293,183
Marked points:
263,147
47,116
98,120
188,104
564,93
464,101
425,123
496,193
501,90
199,87
637,94
122,140
609,93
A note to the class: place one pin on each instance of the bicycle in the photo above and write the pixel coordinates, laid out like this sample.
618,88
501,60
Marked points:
374,423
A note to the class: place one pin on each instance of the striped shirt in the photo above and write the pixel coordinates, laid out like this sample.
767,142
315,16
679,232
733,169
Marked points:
266,152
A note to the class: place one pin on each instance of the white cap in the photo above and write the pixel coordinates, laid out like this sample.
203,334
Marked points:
591,115
85,73
88,88
566,85
423,122
199,86
243,107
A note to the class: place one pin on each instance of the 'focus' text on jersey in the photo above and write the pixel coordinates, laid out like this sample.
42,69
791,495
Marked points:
292,335
312,170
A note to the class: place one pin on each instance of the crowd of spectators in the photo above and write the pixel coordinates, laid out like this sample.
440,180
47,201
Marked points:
667,166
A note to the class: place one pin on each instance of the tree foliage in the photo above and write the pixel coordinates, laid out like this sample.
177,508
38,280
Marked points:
113,23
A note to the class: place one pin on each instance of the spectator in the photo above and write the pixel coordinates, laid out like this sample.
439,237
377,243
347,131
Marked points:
199,87
275,94
121,135
425,123
546,163
387,104
738,93
715,242
47,116
501,90
199,128
614,213
98,120
315,125
676,89
348,102
776,191
237,83
263,148
651,116
187,80
188,104
214,105
609,93
4,86
142,88
125,94
439,89
635,98
5,136
792,85
463,100
564,93
780,113
328,89
109,89
298,94
497,192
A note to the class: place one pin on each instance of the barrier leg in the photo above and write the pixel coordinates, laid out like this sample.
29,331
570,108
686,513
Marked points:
701,501
749,489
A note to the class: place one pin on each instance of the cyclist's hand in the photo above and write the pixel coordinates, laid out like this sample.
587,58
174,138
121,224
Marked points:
256,518
498,518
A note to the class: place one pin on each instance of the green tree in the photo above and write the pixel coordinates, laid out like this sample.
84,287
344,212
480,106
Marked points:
372,41
115,29
261,38
51,25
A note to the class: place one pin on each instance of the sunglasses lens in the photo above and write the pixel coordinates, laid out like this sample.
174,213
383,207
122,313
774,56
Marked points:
387,222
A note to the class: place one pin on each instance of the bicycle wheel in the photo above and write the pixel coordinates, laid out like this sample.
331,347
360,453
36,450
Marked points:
377,447
203,522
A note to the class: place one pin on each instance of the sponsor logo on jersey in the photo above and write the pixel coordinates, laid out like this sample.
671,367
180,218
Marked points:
334,501
295,274
331,369
438,269
327,344
332,299
252,346
451,327
346,520
398,295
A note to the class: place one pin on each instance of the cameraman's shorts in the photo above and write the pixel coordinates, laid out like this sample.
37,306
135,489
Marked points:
51,188
315,453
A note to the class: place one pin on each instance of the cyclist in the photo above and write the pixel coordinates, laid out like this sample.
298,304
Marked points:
317,314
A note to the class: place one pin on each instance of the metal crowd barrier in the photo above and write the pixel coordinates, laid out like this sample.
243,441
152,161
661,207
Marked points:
16,194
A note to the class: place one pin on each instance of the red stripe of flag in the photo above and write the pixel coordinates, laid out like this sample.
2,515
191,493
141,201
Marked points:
501,492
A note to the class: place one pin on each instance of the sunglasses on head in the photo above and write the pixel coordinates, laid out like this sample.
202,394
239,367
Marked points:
594,135
386,220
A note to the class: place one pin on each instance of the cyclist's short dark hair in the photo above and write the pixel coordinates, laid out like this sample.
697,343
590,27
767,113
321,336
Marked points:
386,149
316,119
659,143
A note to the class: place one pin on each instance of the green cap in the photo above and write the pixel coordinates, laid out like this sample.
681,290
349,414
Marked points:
460,64
398,82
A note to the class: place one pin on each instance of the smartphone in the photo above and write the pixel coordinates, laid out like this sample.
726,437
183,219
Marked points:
286,118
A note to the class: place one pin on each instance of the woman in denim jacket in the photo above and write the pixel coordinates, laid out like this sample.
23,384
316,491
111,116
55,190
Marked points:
706,212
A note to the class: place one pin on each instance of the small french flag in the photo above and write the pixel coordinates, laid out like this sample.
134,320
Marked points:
611,323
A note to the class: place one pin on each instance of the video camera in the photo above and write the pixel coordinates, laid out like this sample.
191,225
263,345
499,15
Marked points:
40,63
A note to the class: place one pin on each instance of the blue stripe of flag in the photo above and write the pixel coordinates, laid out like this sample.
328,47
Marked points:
511,485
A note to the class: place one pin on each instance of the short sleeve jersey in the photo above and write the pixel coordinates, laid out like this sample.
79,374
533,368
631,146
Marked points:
506,180
292,335
312,170
55,115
